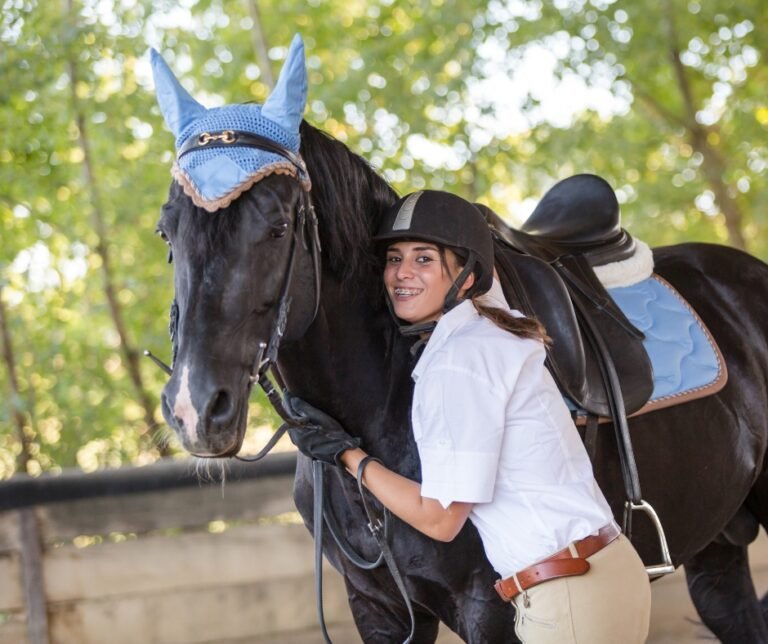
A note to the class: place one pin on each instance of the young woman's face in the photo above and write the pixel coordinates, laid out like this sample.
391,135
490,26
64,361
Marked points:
417,281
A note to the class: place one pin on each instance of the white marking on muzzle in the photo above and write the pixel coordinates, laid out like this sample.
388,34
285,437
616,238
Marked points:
185,409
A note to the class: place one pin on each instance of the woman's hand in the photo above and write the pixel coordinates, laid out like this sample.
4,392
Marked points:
319,436
322,438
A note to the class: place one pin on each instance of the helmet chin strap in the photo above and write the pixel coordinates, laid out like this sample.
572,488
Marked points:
451,297
451,300
410,329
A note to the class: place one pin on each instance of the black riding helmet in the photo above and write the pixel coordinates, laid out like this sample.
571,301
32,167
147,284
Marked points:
447,220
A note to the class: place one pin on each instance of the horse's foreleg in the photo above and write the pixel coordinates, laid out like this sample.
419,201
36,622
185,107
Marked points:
381,616
722,591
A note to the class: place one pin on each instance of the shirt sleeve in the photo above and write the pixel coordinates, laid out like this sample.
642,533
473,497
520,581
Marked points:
458,422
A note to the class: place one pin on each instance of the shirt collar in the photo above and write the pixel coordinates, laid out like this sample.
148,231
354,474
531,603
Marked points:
457,317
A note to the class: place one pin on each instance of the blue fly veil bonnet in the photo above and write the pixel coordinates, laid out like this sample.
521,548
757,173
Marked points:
222,151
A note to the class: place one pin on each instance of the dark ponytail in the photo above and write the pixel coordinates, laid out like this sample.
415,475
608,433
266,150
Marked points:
523,327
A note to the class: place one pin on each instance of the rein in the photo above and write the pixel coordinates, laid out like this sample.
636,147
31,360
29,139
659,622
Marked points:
304,232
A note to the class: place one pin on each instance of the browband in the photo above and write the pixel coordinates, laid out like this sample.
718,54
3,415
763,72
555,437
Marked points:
238,138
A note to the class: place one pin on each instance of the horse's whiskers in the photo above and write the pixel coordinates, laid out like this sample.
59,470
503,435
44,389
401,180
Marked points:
209,470
161,436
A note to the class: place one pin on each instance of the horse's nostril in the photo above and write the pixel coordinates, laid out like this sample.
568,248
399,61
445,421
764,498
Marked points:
221,407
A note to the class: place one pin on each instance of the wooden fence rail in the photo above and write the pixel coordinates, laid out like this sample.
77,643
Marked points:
155,554
159,555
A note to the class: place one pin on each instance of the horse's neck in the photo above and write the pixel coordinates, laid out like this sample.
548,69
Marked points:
352,364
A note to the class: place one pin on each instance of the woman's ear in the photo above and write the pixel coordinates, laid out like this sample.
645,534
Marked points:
469,282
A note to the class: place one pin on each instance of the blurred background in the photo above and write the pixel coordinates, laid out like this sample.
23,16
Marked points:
493,100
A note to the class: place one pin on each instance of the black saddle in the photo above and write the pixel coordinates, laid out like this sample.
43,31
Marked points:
578,216
546,270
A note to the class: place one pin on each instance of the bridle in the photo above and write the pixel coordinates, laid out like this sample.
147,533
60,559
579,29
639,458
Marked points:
304,233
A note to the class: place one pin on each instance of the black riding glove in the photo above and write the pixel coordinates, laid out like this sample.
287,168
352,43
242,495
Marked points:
318,436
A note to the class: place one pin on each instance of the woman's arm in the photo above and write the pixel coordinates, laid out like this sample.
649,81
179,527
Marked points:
402,497
321,437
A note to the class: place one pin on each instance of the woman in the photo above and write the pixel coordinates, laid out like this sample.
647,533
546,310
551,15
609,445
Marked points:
495,439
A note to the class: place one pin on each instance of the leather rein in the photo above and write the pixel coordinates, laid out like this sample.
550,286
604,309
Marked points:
303,233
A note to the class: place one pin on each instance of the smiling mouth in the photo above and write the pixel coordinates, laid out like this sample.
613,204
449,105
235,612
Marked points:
407,292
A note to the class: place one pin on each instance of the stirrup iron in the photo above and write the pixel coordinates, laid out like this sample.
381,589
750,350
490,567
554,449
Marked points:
665,567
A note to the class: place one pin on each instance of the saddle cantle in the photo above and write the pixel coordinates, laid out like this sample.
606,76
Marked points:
547,270
578,216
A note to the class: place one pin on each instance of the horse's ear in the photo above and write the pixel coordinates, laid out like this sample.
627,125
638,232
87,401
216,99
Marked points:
178,107
285,105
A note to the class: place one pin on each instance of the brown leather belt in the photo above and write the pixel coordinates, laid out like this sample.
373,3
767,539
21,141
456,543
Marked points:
567,562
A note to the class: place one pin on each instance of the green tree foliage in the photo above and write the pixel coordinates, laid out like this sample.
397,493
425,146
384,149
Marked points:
74,98
665,100
688,152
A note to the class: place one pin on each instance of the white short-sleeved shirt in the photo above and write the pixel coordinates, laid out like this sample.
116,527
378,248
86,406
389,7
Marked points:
492,429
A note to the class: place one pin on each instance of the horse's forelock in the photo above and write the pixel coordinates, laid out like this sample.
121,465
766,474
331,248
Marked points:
205,231
202,231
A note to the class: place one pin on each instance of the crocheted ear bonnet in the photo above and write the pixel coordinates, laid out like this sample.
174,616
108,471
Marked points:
214,177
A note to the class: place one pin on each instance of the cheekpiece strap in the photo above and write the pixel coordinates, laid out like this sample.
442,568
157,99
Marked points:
238,138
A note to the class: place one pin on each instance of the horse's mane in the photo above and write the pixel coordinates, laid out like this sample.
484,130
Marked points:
349,198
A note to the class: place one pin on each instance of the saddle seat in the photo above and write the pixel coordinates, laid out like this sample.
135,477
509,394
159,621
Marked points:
579,216
546,270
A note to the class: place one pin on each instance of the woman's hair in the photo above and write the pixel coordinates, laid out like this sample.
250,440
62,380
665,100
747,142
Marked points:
523,327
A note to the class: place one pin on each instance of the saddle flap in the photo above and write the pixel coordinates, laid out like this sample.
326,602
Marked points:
533,287
598,315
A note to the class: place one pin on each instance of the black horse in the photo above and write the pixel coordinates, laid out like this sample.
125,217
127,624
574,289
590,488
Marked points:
701,463
248,280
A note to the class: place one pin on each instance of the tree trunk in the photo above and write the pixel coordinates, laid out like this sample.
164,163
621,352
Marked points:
713,165
130,354
260,46
24,456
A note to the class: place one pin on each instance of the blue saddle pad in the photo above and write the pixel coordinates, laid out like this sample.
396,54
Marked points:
686,361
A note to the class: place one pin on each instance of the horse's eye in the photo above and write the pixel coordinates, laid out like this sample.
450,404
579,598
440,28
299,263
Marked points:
164,237
279,231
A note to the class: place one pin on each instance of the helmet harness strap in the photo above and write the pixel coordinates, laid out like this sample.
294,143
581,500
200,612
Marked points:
451,297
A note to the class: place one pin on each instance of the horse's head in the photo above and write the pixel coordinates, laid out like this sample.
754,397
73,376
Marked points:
242,236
